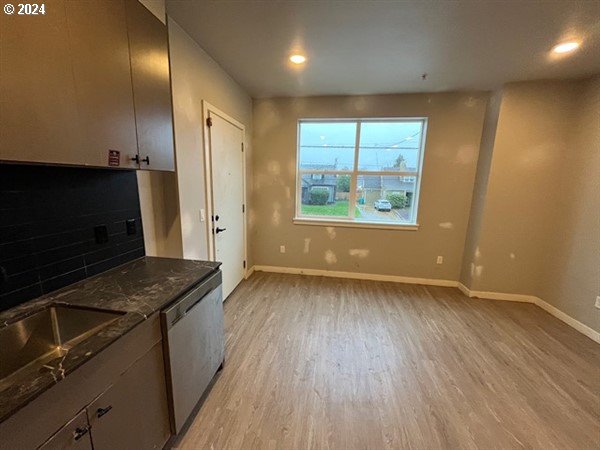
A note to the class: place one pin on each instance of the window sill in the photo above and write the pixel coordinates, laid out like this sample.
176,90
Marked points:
355,224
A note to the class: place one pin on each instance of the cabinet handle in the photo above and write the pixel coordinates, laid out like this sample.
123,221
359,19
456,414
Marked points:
136,158
146,160
80,432
101,411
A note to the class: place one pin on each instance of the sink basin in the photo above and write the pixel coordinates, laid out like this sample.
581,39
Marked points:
35,340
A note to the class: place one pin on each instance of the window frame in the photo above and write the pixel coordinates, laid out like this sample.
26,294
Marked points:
351,220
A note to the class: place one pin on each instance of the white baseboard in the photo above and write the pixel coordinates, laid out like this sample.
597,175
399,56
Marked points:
582,328
487,295
357,275
249,273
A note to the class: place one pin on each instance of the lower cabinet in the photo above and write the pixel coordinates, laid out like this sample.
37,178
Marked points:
133,412
75,435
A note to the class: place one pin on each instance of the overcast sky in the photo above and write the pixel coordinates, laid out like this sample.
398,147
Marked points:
380,143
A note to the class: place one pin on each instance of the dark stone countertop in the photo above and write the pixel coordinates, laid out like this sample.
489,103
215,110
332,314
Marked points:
138,289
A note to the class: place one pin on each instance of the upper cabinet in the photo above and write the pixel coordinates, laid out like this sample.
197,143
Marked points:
86,84
149,50
38,107
101,72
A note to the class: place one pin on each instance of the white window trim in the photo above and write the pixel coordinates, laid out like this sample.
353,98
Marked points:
327,221
350,221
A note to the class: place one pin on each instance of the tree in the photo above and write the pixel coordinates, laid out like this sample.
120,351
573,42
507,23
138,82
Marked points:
400,163
397,200
343,183
319,196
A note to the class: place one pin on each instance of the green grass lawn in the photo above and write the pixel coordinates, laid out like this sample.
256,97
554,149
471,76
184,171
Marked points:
339,208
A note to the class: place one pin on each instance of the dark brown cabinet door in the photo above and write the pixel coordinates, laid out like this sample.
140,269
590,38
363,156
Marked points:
99,48
75,435
86,84
148,42
133,413
38,109
65,85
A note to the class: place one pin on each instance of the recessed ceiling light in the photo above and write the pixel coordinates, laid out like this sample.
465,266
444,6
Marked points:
565,47
298,59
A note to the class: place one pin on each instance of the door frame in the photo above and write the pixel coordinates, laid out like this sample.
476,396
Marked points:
207,109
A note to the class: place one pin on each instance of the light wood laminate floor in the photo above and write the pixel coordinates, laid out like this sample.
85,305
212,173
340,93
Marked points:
326,363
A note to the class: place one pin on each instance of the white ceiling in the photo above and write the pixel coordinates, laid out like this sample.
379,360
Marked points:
368,47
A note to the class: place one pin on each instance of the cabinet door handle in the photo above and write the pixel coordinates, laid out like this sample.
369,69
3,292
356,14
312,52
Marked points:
146,160
80,432
136,158
101,411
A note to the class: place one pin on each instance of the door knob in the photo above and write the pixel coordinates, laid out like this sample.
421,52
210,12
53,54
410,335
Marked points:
219,230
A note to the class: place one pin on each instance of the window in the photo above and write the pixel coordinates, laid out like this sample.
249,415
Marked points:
362,171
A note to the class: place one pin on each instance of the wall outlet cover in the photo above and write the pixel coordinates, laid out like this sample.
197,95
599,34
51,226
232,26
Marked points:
598,302
101,234
282,249
130,226
439,260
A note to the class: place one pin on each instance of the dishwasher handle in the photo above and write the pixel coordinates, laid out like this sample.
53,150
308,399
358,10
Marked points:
177,310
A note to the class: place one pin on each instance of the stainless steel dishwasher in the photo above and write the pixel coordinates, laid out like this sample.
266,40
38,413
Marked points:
194,344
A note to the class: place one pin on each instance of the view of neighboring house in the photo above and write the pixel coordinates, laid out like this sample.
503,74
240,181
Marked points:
319,181
369,187
373,187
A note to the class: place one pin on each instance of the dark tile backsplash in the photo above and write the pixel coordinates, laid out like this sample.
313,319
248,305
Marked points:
47,221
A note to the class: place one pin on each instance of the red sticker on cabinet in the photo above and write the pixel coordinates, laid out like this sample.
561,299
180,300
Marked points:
114,158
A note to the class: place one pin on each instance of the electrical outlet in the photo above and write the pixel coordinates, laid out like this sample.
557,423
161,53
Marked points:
130,227
440,260
101,234
598,302
282,249
202,215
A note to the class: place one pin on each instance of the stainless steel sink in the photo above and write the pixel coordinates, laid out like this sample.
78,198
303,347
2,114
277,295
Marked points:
33,341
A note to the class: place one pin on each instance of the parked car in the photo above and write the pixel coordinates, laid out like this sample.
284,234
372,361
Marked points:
382,205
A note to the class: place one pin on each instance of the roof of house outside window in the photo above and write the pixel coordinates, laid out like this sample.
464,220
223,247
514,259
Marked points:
388,183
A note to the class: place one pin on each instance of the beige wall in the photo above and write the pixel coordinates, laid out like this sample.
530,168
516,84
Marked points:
160,213
536,231
171,202
530,146
484,163
452,146
571,277
195,77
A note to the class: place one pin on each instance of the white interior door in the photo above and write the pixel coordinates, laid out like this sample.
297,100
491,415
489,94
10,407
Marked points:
227,164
